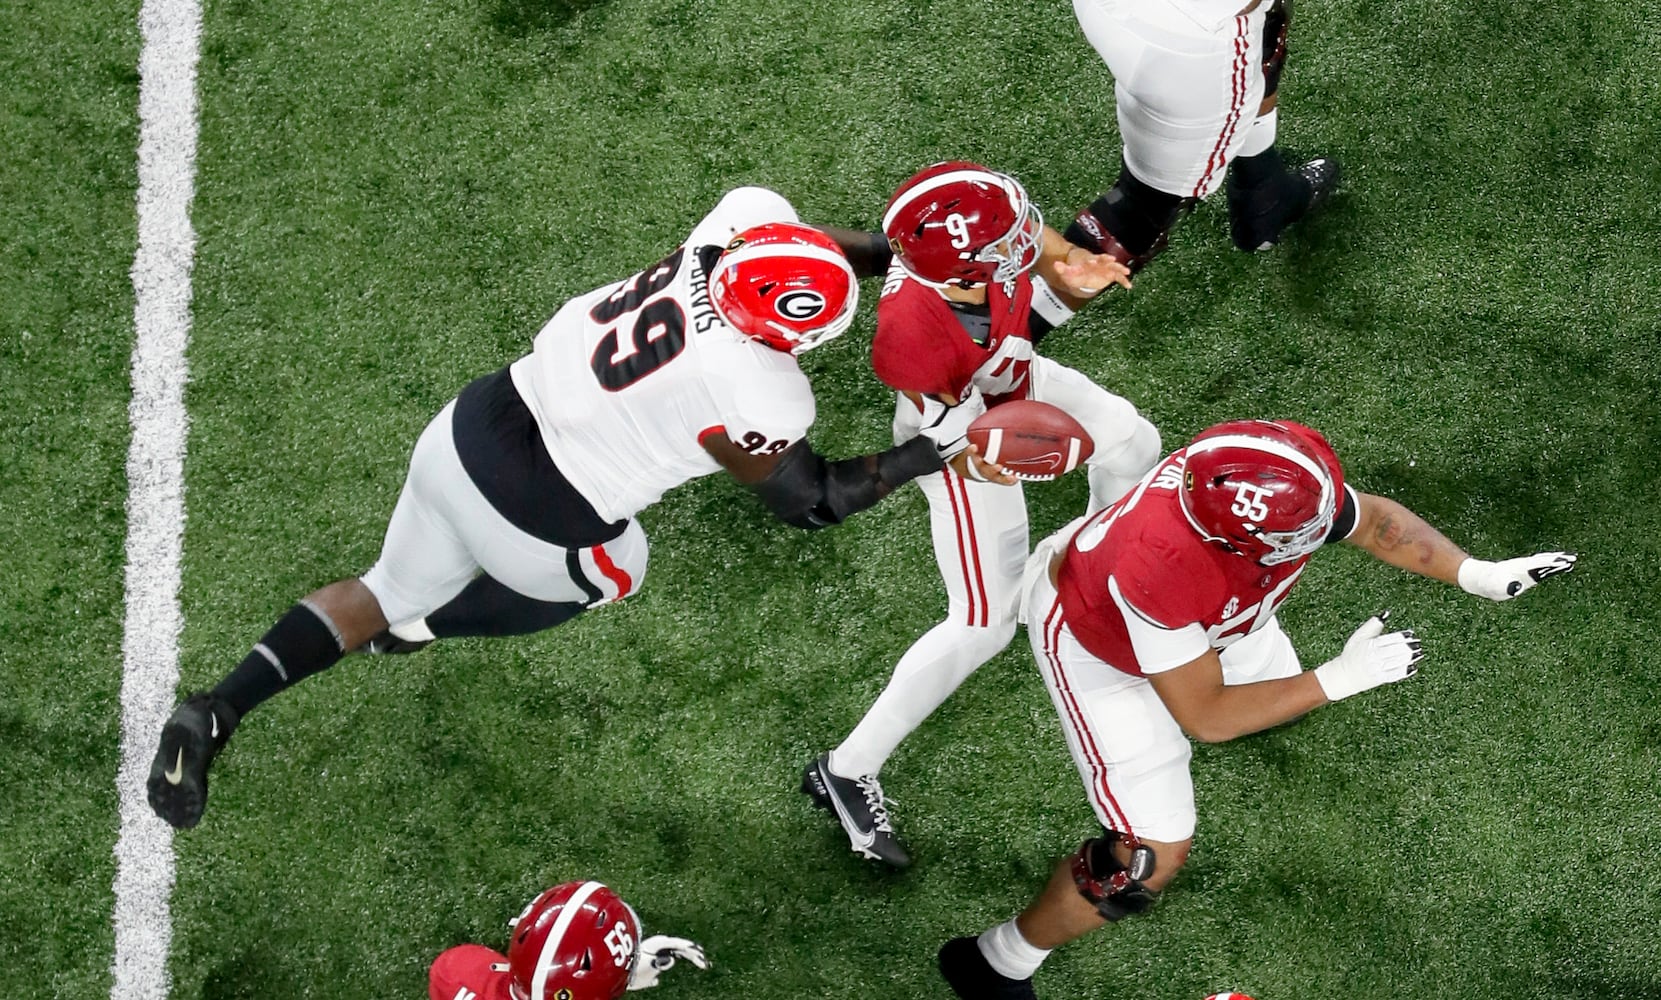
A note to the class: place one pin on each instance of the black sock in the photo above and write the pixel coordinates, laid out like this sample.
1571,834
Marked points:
489,607
302,643
1135,214
1255,171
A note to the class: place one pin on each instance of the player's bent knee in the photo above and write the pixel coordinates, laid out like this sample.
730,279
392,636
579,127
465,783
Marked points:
1143,448
979,643
1117,889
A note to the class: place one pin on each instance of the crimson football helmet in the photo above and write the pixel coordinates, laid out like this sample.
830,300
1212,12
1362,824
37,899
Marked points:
960,222
1263,489
576,941
785,284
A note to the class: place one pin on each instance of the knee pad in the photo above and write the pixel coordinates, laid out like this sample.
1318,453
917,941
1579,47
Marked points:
1116,890
1131,222
1275,24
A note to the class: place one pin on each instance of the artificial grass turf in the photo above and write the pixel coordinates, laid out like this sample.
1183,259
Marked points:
392,198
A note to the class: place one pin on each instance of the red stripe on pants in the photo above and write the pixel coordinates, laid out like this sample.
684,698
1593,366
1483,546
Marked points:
1075,719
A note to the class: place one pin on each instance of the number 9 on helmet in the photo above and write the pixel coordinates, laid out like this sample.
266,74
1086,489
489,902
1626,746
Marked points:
785,284
959,222
576,941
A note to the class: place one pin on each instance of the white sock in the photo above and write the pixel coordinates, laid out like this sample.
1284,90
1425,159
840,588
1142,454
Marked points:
1261,134
926,675
415,631
1009,954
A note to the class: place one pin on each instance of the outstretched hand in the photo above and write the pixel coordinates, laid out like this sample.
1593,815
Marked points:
1371,657
1501,581
658,953
1084,274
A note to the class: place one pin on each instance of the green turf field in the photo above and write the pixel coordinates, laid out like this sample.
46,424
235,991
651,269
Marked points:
392,197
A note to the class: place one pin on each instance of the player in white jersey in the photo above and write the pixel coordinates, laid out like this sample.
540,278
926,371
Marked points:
518,510
1196,85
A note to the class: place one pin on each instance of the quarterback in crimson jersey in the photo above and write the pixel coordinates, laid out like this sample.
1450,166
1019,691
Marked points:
1153,622
576,941
518,512
978,279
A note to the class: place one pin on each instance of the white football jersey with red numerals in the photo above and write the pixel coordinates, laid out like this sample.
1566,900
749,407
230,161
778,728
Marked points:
1143,592
626,380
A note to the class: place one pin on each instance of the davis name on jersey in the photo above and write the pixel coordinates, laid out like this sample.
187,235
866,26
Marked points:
626,380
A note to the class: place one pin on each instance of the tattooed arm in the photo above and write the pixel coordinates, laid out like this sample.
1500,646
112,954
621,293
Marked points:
1396,535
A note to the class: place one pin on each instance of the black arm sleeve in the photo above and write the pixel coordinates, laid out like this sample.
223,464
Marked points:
808,491
868,252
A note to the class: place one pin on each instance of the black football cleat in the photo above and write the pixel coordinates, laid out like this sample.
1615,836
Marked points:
859,806
193,735
1259,216
384,643
971,977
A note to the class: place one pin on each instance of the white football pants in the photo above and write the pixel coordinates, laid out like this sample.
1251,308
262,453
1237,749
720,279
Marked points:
1187,92
980,545
1130,753
443,532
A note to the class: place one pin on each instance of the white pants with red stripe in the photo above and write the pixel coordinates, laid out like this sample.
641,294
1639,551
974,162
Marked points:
1130,753
443,532
980,545
1187,89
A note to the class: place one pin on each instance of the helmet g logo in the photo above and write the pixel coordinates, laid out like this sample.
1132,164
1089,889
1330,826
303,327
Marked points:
1250,503
803,304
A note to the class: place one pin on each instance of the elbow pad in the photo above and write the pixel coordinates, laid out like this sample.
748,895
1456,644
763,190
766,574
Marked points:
948,426
809,492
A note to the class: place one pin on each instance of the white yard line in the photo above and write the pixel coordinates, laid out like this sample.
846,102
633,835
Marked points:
171,31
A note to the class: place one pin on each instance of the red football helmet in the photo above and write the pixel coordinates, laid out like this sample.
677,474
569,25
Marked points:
960,222
577,941
786,285
1262,489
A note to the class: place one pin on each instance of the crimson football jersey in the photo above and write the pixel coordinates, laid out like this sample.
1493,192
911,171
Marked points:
923,346
1139,566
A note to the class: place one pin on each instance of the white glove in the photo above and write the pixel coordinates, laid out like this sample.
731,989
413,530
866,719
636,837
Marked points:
1370,658
948,426
1501,581
658,953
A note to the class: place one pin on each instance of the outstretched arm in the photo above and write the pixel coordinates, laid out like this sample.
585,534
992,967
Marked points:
802,488
868,252
1396,535
1075,274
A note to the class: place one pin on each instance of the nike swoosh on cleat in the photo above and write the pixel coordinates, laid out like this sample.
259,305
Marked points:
177,774
861,841
214,728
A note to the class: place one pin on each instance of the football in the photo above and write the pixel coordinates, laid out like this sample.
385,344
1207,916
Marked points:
1033,440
